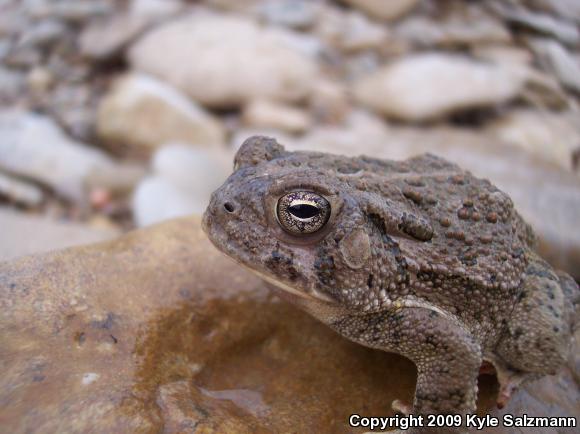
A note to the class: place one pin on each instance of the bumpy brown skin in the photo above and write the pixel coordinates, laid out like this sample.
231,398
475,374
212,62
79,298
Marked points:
418,257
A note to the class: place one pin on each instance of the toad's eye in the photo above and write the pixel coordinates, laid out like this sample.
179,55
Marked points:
302,212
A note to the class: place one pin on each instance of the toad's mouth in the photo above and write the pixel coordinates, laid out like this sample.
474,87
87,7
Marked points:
220,239
313,295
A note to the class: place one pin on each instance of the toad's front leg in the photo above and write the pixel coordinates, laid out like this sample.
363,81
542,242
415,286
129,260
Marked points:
446,355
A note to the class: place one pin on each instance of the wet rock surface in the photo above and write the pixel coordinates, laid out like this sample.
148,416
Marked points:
158,331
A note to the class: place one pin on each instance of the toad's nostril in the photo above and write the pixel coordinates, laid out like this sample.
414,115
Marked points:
229,207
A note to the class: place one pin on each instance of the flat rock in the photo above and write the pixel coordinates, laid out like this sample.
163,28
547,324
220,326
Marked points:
34,146
25,234
426,86
157,331
382,10
224,61
143,112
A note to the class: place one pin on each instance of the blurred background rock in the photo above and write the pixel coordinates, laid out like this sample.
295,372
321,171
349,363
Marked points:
117,114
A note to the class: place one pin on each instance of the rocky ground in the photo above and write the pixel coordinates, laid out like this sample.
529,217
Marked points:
118,114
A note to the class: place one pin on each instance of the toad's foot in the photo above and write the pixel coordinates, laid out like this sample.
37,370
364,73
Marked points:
509,381
402,407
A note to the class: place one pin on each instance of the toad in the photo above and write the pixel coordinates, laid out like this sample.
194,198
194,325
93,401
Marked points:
416,257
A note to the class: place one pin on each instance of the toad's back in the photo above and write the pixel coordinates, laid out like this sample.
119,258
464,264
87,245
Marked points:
473,262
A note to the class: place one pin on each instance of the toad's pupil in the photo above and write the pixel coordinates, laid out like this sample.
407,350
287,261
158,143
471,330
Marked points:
303,211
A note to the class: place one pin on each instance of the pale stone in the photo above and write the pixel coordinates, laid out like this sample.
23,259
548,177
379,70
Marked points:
544,90
569,9
33,146
269,114
362,133
427,86
224,61
25,234
20,191
503,54
471,28
350,31
182,181
557,59
384,10
329,101
103,40
197,171
143,112
298,42
298,14
554,137
5,47
74,11
43,34
156,199
560,28
40,80
541,89
240,6
362,34
155,10
11,84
